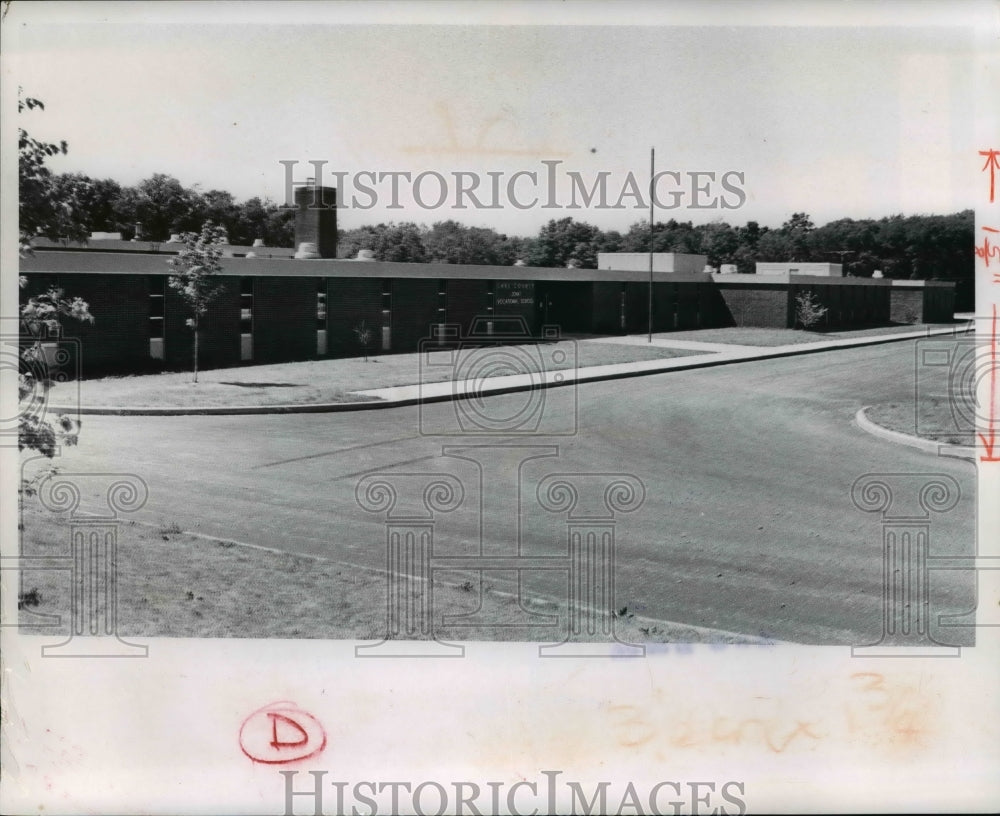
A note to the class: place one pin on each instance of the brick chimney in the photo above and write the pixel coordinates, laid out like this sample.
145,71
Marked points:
316,219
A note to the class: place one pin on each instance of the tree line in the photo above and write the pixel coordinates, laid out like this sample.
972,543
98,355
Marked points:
917,246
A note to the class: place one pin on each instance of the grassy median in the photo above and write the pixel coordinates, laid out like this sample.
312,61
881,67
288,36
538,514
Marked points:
175,584
331,381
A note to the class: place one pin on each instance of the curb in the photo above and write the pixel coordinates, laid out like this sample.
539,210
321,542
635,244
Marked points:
708,360
926,445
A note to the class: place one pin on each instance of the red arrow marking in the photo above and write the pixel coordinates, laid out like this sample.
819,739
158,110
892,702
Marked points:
989,438
992,165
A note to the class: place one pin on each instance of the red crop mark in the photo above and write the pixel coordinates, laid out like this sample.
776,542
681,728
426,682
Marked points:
986,250
281,732
992,164
989,438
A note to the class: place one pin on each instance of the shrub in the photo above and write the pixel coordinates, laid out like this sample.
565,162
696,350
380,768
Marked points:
808,311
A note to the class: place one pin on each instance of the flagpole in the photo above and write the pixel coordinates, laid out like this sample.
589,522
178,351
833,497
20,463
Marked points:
652,174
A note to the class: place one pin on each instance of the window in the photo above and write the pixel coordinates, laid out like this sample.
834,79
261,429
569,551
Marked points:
442,309
157,299
321,317
246,319
386,303
321,303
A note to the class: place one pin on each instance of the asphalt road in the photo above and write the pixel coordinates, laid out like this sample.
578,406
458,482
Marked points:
747,524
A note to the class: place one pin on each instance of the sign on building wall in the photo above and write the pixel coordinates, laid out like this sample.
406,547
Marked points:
515,293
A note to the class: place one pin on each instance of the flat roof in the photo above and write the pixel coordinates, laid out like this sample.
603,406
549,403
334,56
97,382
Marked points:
64,261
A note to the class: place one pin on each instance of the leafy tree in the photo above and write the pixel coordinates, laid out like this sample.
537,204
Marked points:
195,268
262,218
93,199
669,236
40,321
400,242
719,242
565,239
350,241
221,208
42,211
774,245
162,204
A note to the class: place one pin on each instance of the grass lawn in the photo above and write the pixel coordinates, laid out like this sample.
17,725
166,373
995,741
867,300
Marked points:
320,381
173,584
933,413
746,336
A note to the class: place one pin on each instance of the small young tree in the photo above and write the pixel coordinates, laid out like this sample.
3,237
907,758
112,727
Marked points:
364,335
808,310
194,268
39,319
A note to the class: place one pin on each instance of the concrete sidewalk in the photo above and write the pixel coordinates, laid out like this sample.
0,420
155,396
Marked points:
716,354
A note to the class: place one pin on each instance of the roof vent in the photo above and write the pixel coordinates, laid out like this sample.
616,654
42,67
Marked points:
307,251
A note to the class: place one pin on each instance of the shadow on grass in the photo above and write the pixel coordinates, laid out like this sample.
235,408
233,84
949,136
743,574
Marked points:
262,384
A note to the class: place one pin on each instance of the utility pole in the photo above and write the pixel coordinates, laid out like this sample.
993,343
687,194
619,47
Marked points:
652,176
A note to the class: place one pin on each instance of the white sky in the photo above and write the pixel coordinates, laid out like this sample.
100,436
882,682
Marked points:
843,116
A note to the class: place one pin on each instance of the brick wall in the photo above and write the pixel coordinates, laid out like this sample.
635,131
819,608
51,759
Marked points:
527,309
118,339
922,303
939,304
636,307
688,314
219,336
666,300
906,305
566,304
606,313
349,301
414,311
284,319
763,305
316,219
712,307
467,300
